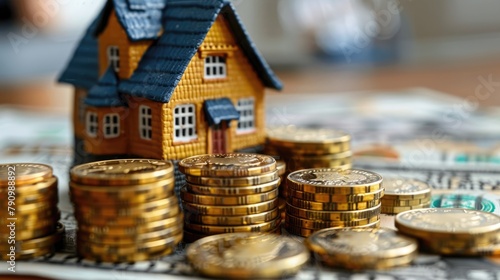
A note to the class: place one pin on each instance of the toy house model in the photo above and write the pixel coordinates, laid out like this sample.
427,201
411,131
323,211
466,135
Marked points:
167,79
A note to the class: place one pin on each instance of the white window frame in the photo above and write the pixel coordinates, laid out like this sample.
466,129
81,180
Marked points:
114,57
92,124
145,122
215,67
111,125
246,108
185,123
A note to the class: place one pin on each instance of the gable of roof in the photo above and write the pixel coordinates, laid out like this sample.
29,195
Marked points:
105,92
186,24
141,19
83,68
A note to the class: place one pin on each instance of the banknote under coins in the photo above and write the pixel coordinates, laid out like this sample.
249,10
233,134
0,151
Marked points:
405,194
321,198
247,256
230,193
126,210
360,249
29,223
452,231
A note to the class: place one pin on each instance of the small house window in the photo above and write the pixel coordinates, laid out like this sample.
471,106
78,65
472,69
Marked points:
92,124
246,108
215,67
114,57
185,123
145,125
111,126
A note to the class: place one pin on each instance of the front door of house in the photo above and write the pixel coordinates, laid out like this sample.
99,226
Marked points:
219,139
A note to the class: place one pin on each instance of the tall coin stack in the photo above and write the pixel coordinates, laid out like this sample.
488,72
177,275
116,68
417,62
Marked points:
324,198
403,195
29,220
126,210
229,193
452,231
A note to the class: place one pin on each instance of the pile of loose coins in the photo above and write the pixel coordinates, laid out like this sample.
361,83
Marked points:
324,198
362,248
452,231
229,193
29,220
303,148
403,195
126,210
247,256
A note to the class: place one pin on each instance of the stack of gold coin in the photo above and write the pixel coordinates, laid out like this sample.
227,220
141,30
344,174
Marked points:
126,210
29,222
362,248
303,148
452,231
229,193
403,195
247,256
324,198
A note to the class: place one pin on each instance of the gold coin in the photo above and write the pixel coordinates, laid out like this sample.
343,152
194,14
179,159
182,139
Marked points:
345,216
263,227
35,191
127,240
382,264
52,213
233,220
228,191
124,221
38,243
37,207
449,223
326,197
332,206
132,230
117,212
305,232
406,189
128,258
247,256
190,237
308,141
230,210
491,250
121,172
121,201
281,167
17,174
334,181
32,233
405,203
31,226
296,164
319,224
227,165
227,200
31,254
231,182
400,209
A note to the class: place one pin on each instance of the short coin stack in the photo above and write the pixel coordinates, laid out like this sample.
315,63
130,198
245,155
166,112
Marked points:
126,210
247,256
362,248
324,198
403,195
229,193
303,148
29,222
452,231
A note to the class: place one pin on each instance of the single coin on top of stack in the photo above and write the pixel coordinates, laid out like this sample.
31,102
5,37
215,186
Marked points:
452,231
229,193
405,194
362,248
324,198
29,224
303,148
247,256
126,210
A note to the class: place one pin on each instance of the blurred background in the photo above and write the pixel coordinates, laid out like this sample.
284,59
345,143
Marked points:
315,46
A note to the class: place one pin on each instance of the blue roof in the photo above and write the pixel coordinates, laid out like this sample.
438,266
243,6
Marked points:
105,93
141,19
186,24
222,109
83,68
